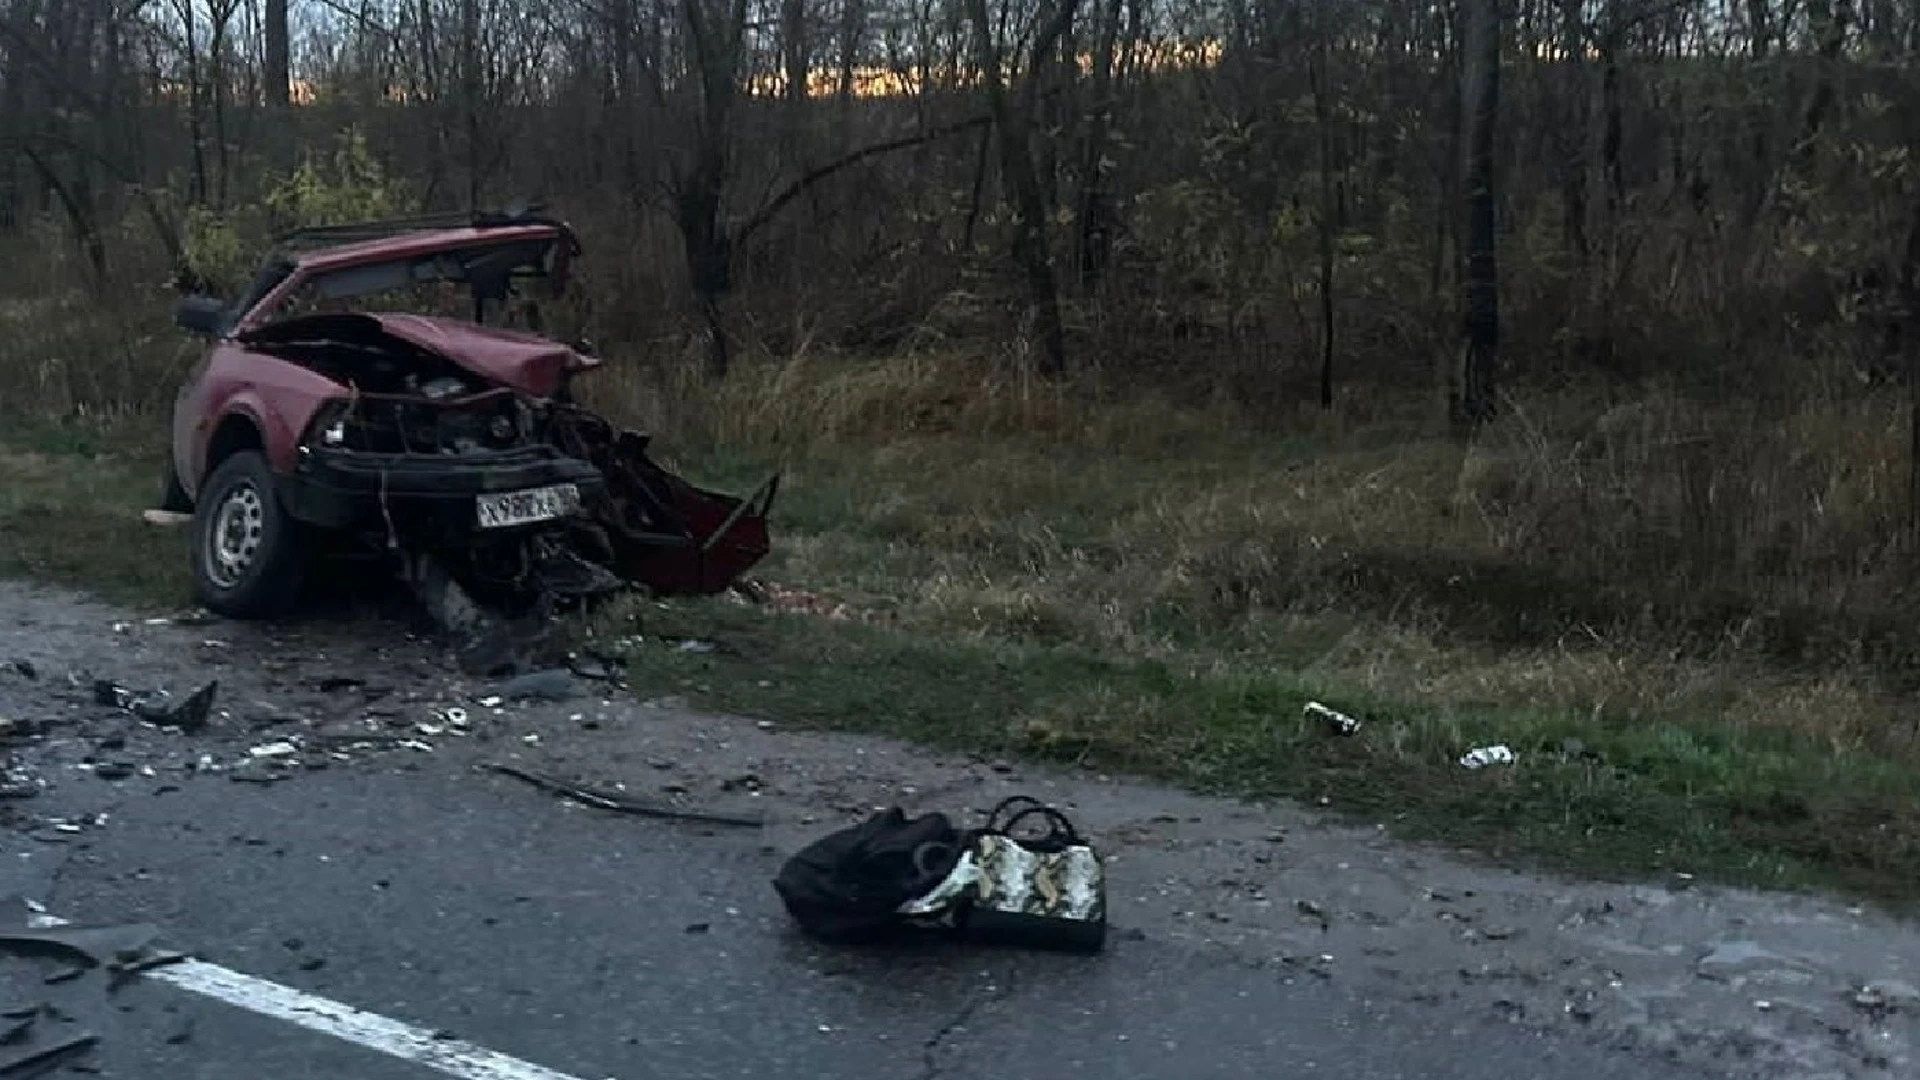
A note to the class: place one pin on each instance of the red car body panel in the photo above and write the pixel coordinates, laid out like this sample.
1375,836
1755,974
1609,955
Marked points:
280,398
525,362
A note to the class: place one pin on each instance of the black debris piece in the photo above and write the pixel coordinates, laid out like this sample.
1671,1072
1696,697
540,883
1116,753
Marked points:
26,669
334,683
594,666
112,694
699,927
156,706
33,1060
66,973
113,770
554,684
123,949
190,715
15,1029
181,1032
620,803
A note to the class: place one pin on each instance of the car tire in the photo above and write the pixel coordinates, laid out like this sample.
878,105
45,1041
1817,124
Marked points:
250,557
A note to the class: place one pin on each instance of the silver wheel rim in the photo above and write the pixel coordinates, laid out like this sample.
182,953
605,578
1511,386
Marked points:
239,525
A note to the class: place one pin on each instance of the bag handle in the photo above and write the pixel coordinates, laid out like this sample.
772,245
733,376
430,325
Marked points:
1061,832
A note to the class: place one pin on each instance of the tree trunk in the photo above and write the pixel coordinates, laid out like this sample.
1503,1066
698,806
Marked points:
1480,99
1317,74
1093,211
1012,125
279,56
700,184
196,112
470,97
1828,19
217,76
797,53
852,15
1573,135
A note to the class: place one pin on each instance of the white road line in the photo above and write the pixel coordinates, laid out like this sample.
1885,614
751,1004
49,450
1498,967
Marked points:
454,1057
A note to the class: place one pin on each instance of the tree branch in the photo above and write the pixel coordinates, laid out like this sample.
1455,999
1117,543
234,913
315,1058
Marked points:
813,176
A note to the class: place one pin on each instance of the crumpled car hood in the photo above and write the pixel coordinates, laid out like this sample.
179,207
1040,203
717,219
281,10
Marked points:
525,362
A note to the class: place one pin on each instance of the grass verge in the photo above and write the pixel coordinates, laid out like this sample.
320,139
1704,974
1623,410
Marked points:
1020,598
70,503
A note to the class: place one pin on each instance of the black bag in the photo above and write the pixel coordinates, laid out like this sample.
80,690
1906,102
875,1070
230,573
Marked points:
850,884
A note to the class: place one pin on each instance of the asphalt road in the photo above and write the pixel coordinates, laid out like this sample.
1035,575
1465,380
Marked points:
603,946
1250,941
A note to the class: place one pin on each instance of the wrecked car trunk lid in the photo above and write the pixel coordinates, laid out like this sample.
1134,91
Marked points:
525,362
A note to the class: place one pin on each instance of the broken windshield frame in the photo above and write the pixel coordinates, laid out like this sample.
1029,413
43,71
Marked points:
485,272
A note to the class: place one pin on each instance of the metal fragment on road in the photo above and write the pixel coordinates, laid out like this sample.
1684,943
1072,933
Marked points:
609,801
1483,756
1340,722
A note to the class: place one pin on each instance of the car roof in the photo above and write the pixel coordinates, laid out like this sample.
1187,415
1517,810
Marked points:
418,242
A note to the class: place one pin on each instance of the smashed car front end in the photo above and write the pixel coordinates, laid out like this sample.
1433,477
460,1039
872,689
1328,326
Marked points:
447,472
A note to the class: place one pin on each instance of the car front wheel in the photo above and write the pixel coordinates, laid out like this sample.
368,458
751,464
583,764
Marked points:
249,556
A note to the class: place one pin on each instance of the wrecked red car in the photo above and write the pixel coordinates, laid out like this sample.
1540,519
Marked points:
330,408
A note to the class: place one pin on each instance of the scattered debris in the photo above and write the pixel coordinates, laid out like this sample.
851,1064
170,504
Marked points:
152,706
18,782
1310,910
279,749
1882,999
1483,756
619,803
1340,722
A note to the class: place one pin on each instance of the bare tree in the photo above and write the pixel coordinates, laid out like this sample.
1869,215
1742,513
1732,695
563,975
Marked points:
1013,121
1480,113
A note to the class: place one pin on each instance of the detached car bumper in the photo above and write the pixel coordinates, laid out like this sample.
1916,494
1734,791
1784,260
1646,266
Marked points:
351,490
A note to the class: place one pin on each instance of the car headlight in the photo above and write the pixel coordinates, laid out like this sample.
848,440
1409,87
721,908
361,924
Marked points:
328,428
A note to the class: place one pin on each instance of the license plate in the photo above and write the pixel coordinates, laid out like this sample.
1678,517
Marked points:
525,507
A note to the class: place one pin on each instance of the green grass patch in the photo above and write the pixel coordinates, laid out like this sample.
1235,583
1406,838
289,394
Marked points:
70,503
1614,799
1170,617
